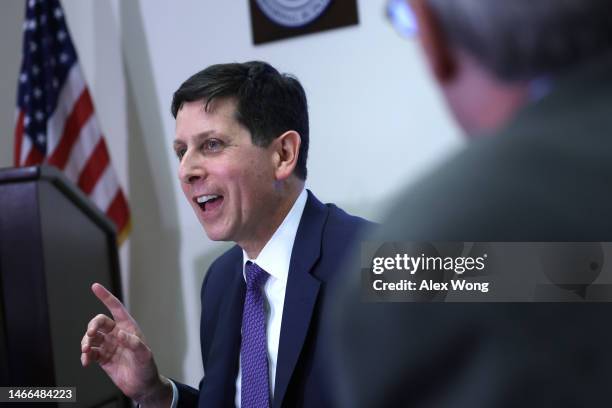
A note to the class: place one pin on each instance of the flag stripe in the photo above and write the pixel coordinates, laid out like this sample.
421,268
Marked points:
26,145
94,168
34,157
68,97
118,212
83,148
18,138
83,109
105,189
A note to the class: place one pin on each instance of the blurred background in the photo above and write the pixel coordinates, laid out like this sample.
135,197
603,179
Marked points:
377,123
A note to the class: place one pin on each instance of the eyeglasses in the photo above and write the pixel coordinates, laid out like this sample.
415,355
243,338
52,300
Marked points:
401,17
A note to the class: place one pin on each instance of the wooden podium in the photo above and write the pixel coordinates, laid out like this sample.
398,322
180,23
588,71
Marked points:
54,243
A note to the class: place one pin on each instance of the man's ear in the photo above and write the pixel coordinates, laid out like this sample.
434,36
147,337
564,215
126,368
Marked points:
286,152
434,42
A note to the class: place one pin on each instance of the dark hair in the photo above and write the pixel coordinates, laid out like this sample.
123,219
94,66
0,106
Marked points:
268,103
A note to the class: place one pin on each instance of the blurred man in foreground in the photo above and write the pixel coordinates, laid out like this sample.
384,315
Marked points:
242,142
531,82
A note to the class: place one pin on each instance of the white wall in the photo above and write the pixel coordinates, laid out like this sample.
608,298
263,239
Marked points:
376,124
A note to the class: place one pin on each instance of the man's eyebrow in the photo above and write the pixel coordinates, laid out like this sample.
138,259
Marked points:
198,137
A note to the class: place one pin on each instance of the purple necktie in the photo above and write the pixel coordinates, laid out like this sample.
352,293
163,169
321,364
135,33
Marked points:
255,389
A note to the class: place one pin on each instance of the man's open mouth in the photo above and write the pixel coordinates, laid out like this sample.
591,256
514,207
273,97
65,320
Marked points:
209,202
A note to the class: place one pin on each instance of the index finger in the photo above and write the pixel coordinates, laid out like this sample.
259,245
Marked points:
111,302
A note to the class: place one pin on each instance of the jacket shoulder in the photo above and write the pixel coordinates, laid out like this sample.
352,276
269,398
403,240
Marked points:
341,222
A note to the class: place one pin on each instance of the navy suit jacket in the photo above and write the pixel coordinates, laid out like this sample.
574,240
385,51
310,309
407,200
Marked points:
324,237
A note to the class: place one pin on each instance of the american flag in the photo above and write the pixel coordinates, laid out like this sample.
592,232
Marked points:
56,123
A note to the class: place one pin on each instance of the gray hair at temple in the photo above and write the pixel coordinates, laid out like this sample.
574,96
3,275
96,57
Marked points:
525,39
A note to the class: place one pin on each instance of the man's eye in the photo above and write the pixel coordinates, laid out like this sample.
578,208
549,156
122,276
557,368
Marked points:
213,145
180,153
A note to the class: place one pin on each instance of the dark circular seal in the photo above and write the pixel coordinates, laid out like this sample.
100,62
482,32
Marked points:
293,13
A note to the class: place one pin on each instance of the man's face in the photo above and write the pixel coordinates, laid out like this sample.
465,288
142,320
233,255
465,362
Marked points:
228,181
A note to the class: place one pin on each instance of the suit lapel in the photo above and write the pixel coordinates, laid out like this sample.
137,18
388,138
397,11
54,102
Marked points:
301,294
225,349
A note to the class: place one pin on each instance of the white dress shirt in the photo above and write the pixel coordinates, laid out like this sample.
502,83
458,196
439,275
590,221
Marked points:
274,258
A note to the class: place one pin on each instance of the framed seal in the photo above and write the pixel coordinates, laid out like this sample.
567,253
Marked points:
273,20
292,13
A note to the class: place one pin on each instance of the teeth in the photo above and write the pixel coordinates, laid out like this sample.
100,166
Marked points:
205,198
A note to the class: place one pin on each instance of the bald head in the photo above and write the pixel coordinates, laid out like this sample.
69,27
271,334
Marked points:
486,54
525,39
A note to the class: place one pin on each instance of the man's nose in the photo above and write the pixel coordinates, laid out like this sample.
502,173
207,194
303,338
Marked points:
191,169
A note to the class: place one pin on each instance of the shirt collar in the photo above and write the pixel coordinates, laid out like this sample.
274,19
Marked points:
275,256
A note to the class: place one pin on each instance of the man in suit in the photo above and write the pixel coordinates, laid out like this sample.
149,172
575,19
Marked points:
242,142
531,82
